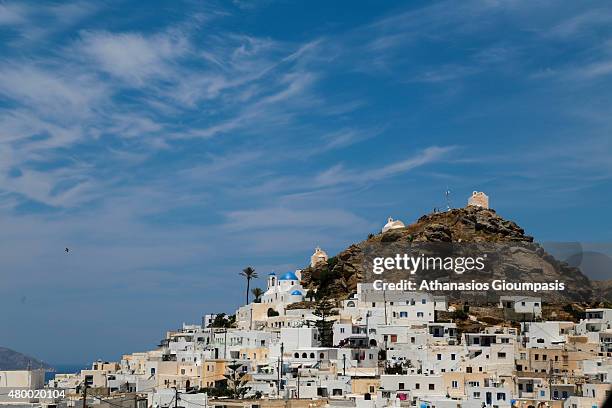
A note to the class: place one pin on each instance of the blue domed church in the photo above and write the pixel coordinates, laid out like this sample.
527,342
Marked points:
283,290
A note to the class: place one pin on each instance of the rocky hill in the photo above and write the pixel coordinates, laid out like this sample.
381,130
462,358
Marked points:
517,257
602,290
13,360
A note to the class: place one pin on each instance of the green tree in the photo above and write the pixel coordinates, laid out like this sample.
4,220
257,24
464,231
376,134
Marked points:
257,292
249,273
324,309
310,295
223,321
237,380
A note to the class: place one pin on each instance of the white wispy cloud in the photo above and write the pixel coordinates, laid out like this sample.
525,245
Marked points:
50,91
270,218
339,175
581,23
13,14
134,57
347,137
39,22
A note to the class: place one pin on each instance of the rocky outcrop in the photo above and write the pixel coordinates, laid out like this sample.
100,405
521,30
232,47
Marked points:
602,292
517,257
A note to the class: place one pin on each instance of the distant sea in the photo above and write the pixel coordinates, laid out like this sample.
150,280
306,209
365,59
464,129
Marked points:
65,369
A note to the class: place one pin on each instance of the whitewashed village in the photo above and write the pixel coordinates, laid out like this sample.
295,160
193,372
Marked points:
358,352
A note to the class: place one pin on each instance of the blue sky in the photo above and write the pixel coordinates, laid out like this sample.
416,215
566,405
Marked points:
171,146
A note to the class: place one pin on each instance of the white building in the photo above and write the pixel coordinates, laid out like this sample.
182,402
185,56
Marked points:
11,380
392,224
596,321
282,291
545,334
319,256
479,199
521,307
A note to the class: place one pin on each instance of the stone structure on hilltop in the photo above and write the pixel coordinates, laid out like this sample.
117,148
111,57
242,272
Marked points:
392,224
319,256
479,199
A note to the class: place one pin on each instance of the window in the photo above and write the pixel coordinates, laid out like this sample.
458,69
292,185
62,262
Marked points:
432,387
296,355
413,340
417,386
403,314
304,355
476,394
394,338
455,384
468,370
452,356
536,357
439,357
321,355
419,314
400,386
522,303
536,304
501,355
501,396
312,355
540,341
423,301
342,330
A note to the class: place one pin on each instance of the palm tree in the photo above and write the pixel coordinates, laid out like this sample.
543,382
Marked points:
249,273
257,292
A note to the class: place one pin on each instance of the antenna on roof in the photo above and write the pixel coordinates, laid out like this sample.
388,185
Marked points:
447,196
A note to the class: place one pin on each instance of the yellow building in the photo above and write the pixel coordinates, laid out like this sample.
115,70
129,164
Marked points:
456,381
365,385
551,361
212,372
